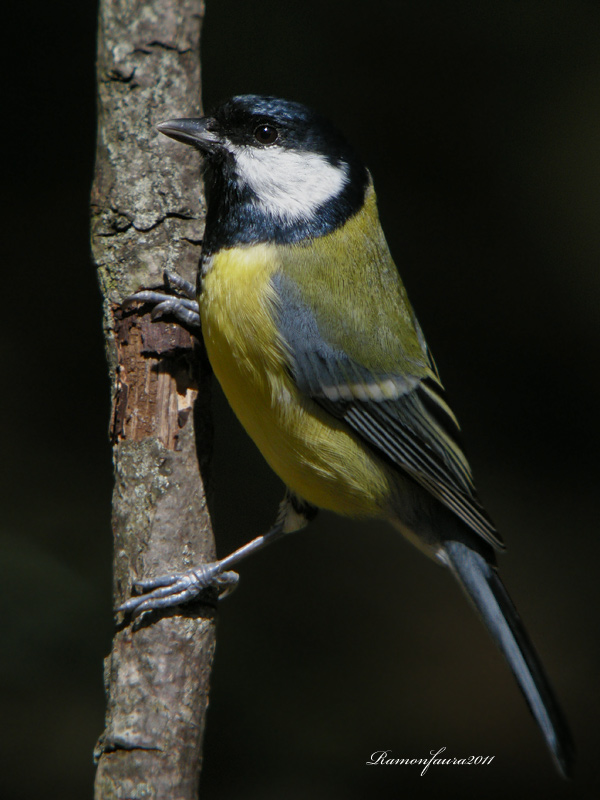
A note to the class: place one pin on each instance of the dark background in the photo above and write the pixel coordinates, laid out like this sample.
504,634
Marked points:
481,124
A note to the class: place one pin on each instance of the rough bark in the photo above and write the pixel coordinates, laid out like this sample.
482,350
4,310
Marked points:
146,217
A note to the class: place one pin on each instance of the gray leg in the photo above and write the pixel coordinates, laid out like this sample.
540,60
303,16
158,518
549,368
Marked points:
171,590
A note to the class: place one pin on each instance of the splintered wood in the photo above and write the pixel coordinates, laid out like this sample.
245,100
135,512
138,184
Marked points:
156,384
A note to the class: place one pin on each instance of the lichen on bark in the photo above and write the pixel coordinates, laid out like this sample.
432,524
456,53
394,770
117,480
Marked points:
147,216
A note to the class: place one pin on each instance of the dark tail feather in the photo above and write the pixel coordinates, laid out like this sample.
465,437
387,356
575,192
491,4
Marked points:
486,591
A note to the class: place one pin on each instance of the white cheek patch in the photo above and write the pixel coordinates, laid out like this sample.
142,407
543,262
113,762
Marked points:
289,185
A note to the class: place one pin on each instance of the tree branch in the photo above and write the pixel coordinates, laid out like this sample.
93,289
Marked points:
146,218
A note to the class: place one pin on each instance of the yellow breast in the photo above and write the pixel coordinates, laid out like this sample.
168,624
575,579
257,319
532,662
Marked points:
312,452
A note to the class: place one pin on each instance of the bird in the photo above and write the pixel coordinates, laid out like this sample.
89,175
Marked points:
309,331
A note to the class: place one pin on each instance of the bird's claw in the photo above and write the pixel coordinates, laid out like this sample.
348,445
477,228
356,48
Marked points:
183,305
176,283
172,590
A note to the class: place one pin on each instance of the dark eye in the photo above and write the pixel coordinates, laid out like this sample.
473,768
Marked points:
265,134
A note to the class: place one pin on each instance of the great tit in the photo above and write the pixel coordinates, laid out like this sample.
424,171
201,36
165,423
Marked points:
310,333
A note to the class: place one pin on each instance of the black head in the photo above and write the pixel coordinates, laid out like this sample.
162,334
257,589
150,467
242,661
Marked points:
275,171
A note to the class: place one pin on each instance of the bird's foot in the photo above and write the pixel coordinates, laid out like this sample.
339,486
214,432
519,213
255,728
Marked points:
172,590
178,300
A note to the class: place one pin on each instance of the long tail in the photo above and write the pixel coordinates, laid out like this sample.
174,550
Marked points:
486,591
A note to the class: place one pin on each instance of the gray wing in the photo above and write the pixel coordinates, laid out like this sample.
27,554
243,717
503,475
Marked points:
404,417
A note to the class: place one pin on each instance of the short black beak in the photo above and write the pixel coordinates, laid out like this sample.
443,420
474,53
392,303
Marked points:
198,132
